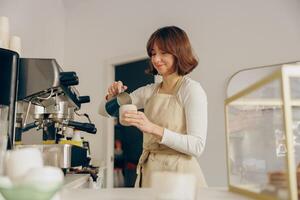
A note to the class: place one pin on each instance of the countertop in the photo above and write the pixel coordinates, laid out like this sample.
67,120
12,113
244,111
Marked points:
72,181
142,194
72,190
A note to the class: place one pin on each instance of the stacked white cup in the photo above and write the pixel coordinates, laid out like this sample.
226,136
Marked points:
15,44
19,162
174,185
25,167
4,32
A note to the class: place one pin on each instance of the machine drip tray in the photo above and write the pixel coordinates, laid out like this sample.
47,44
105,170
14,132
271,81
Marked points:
61,155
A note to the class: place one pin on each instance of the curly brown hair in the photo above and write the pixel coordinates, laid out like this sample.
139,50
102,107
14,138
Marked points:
175,41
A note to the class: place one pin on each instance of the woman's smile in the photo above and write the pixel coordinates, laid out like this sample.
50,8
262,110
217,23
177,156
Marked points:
162,61
159,65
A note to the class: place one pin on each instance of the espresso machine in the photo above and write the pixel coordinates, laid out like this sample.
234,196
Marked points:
42,97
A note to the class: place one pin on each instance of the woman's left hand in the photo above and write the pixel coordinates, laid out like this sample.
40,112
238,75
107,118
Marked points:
139,120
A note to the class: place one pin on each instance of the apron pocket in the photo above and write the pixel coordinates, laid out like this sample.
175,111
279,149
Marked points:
170,162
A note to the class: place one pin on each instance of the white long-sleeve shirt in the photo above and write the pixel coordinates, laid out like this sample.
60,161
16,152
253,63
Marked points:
193,98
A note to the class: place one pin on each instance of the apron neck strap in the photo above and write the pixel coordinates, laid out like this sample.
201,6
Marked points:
177,86
175,90
156,88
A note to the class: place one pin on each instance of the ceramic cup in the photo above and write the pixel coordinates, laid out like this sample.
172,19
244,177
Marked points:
44,176
77,136
20,161
174,185
15,44
69,132
124,108
4,31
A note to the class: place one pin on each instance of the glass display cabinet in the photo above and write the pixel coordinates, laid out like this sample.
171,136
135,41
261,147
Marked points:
262,113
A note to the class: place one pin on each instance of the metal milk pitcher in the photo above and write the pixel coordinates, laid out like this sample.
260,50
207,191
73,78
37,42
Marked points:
112,106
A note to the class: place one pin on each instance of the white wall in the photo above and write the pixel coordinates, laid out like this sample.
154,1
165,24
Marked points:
40,24
226,35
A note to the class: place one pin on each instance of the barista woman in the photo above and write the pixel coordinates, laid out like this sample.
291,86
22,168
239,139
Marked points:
174,121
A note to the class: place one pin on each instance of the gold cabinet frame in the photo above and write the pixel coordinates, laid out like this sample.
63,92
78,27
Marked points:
283,74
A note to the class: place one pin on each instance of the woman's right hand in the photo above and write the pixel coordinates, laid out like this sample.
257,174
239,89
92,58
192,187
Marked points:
115,89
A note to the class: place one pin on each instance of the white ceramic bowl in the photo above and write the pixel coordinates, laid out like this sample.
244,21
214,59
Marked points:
29,192
38,184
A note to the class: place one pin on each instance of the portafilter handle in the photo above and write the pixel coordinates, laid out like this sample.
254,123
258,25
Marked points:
68,78
86,127
84,99
30,126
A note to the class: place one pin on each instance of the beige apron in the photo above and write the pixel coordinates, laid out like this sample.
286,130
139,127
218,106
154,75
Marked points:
165,110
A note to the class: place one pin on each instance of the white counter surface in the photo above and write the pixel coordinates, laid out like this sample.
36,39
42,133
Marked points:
78,181
142,194
72,181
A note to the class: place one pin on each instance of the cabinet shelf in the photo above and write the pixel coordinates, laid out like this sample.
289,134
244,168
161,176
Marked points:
263,102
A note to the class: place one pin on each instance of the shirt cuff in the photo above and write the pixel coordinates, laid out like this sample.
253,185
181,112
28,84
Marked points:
168,137
101,109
